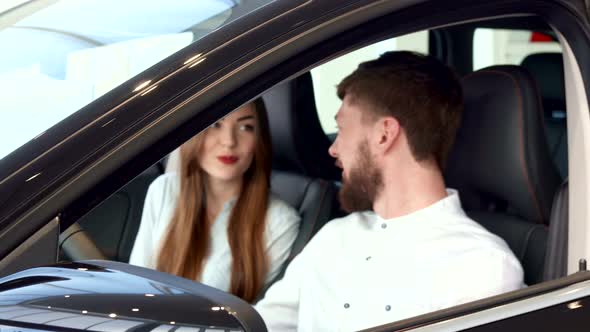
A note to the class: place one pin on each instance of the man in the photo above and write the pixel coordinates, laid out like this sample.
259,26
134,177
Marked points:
407,248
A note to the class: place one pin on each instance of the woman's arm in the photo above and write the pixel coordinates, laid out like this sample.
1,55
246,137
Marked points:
144,247
283,227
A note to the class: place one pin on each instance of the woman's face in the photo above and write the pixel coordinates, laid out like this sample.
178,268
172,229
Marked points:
229,144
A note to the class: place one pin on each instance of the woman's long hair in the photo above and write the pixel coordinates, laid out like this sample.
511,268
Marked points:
185,246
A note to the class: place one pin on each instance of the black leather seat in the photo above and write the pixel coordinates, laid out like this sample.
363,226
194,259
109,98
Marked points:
313,198
299,142
299,159
300,152
547,69
113,224
501,164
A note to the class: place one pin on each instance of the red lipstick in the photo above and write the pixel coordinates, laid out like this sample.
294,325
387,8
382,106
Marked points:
228,160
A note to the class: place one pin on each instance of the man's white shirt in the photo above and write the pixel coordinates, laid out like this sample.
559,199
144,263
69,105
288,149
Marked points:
362,271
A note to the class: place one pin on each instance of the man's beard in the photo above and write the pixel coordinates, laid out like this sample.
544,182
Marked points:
363,183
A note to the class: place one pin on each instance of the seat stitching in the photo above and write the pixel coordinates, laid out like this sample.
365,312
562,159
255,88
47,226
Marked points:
521,126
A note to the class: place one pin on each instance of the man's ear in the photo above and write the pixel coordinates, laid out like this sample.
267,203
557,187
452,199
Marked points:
387,130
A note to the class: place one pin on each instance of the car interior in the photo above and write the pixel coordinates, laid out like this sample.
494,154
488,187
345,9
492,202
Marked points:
509,161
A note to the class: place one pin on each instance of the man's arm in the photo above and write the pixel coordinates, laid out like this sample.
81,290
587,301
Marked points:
280,307
481,275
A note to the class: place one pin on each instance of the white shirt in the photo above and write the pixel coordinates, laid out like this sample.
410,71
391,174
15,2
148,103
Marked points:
362,271
282,226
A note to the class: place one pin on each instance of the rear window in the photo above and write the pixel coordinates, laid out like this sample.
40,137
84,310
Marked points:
327,76
503,46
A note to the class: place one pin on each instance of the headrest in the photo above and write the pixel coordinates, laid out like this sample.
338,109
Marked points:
299,142
500,159
547,70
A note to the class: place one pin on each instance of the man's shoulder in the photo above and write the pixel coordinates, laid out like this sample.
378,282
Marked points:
349,224
475,232
473,241
336,235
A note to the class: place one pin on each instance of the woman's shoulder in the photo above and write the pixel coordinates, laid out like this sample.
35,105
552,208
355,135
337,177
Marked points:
166,180
165,185
278,209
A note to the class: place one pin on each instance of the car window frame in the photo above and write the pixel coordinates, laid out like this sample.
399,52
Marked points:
493,309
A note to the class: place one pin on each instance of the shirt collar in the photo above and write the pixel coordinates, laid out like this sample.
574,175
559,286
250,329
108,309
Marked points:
451,204
229,204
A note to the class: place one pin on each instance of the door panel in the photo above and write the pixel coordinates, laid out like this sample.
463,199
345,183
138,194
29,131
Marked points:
39,249
571,316
559,305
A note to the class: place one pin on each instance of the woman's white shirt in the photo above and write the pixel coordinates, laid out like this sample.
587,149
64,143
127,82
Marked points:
282,226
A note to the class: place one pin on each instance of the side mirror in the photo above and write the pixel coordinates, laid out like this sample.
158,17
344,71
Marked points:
111,296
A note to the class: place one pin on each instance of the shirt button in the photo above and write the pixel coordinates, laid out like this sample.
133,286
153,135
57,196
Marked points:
346,305
387,307
384,225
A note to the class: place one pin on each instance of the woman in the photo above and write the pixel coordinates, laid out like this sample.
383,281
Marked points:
215,221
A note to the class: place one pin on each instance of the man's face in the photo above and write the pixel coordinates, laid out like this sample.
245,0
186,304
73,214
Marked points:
361,178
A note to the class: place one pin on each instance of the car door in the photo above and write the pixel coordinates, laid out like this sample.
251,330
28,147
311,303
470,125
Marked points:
49,185
560,305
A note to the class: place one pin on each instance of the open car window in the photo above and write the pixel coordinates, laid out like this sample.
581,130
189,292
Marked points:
509,46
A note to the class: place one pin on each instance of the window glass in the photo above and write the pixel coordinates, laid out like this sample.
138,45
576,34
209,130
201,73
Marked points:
9,4
58,56
501,46
327,76
511,47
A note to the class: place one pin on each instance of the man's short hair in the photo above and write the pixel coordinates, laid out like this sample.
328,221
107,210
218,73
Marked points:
422,93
